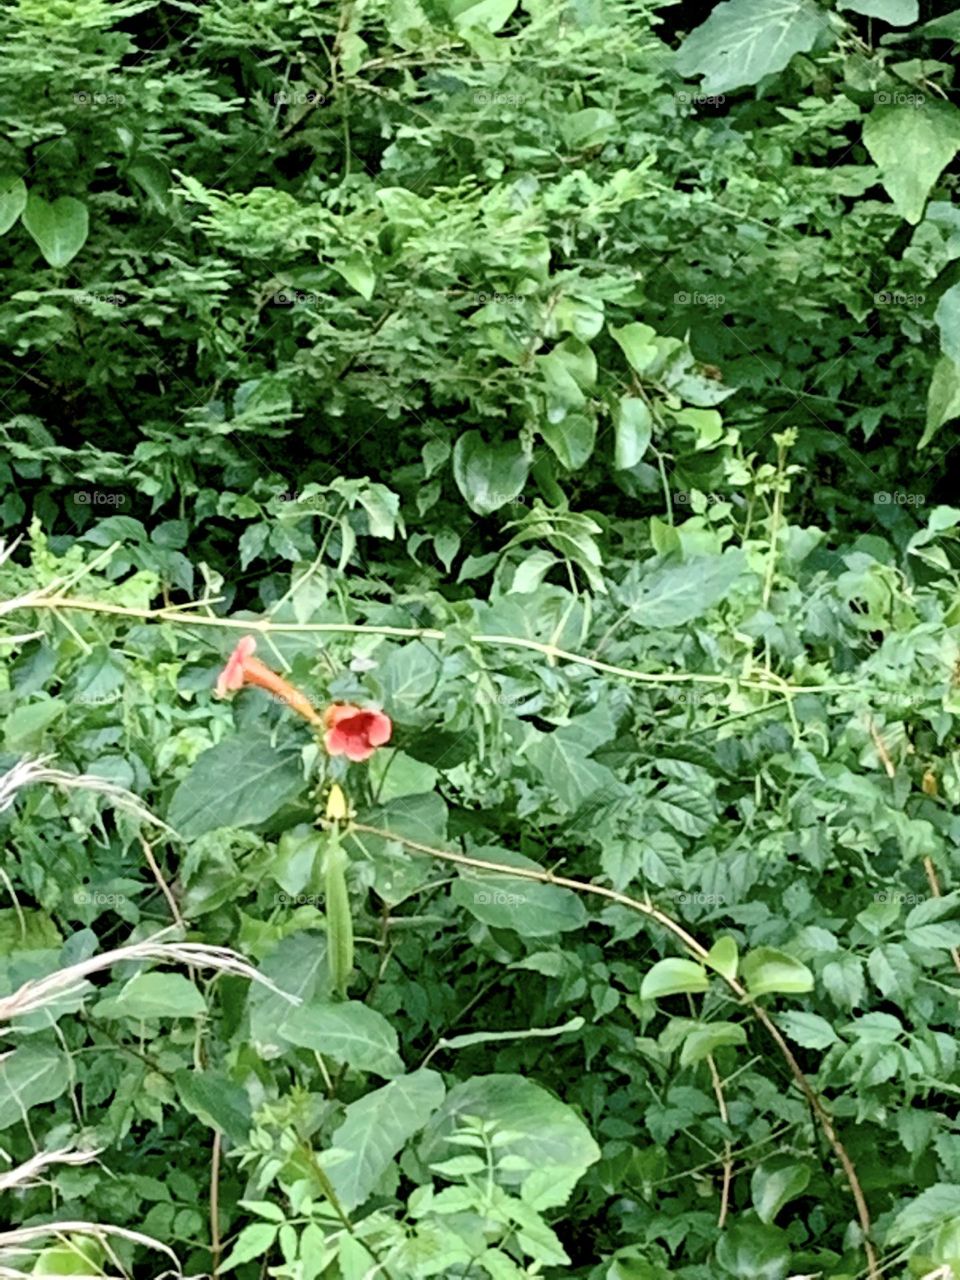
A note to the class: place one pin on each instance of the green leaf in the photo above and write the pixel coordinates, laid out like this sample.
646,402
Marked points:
59,229
634,427
911,145
898,13
672,977
571,439
562,760
31,1074
544,1132
13,199
751,1252
216,1100
766,970
636,343
487,15
947,316
744,40
675,594
27,929
358,273
153,178
943,398
154,995
394,774
708,1038
407,678
489,476
376,1128
253,1242
297,966
723,957
590,127
808,1030
775,1183
241,782
348,1032
528,907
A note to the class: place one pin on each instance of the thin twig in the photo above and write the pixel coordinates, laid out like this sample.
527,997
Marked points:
215,1245
164,887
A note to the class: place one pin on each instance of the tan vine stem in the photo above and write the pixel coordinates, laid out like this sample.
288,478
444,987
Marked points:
262,626
696,949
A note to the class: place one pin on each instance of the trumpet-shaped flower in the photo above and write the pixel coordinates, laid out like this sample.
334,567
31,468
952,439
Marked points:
355,732
243,668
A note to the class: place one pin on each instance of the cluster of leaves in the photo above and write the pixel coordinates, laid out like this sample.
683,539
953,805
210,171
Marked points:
573,381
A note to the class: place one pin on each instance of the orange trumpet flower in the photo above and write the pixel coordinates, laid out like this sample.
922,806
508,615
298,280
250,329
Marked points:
243,668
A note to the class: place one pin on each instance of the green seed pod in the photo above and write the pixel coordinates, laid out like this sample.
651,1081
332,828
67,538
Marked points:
339,919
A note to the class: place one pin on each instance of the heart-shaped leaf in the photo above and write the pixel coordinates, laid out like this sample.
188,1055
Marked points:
59,228
489,476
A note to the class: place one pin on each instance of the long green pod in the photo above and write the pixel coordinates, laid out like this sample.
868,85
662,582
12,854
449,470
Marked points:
338,917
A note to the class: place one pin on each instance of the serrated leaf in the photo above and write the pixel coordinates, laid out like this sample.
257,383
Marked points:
348,1032
375,1129
744,40
808,1030
31,1074
241,782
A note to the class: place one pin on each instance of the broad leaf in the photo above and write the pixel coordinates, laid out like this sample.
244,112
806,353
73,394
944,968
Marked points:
59,229
376,1128
489,476
241,782
349,1033
744,40
911,145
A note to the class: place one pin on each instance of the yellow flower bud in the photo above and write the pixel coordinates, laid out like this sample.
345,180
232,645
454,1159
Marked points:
336,804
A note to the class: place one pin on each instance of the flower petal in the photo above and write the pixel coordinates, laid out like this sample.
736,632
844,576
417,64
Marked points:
379,728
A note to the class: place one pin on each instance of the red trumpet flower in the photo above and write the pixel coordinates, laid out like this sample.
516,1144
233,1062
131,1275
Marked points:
355,732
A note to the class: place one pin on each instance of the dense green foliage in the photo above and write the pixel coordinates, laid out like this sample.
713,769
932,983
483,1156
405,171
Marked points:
576,380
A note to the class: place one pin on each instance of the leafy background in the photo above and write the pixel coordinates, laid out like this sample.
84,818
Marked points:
577,381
